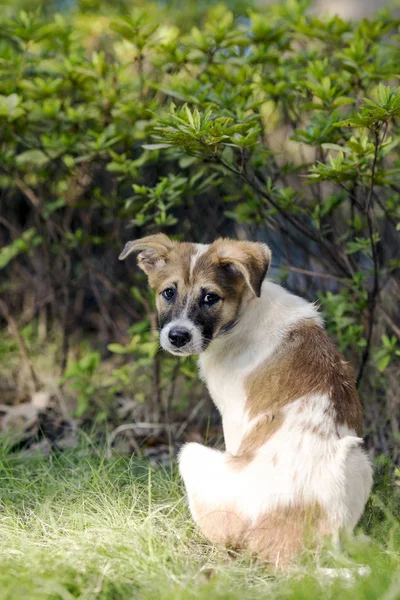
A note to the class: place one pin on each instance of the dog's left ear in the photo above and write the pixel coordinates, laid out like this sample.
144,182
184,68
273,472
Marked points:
153,249
250,259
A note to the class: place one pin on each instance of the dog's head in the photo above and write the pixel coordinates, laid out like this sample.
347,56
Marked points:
201,289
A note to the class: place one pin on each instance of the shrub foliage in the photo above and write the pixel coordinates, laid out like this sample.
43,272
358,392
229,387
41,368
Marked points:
276,125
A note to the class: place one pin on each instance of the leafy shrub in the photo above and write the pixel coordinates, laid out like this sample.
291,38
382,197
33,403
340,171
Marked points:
277,125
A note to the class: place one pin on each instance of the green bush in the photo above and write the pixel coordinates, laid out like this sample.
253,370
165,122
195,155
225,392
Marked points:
275,125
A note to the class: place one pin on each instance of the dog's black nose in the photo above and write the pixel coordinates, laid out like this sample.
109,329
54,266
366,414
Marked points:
179,337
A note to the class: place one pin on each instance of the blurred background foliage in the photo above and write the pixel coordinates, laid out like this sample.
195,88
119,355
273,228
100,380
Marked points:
122,119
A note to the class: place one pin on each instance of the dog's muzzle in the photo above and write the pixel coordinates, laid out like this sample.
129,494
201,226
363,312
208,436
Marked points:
181,337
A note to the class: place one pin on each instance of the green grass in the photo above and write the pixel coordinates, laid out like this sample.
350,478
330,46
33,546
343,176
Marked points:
77,525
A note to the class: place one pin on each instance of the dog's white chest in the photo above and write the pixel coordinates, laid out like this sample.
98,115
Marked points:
227,391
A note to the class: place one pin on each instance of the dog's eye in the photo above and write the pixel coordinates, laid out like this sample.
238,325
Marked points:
210,298
168,293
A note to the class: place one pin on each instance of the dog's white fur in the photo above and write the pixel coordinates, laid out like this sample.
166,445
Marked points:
333,472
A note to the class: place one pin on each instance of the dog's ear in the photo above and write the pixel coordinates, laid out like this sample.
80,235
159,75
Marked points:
249,259
153,251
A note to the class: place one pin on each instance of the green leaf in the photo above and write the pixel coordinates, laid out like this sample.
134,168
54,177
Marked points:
22,245
117,348
329,146
383,363
10,107
156,146
36,158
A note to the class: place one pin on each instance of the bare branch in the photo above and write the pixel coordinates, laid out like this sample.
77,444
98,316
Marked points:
390,323
28,192
314,273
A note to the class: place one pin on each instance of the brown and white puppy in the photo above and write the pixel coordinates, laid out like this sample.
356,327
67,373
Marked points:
294,468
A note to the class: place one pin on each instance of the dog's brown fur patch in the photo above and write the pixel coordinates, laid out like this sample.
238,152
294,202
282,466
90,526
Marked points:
175,268
305,364
250,259
276,537
261,432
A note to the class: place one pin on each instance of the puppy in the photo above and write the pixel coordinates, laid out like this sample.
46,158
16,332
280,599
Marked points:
294,469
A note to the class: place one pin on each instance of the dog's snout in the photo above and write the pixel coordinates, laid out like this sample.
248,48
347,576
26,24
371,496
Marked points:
179,337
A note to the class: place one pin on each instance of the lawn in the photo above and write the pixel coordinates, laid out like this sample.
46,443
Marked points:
79,525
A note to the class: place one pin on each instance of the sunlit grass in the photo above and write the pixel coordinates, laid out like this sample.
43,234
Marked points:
76,525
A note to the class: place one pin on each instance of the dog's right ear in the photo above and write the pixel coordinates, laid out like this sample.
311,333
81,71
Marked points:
153,250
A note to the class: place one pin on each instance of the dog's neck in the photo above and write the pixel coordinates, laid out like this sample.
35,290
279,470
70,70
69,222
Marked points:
231,357
260,328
